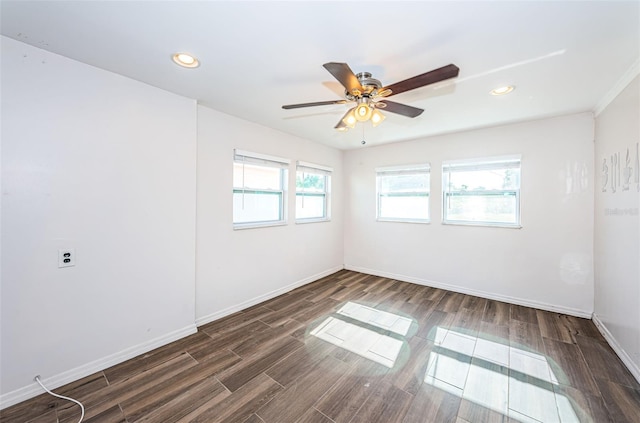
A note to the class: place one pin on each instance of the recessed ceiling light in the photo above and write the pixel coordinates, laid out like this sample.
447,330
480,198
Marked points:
502,90
186,60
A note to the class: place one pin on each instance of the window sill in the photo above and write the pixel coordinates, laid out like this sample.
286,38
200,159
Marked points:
240,226
485,224
319,220
403,220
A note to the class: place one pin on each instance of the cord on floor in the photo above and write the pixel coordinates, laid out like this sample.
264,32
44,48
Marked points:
37,379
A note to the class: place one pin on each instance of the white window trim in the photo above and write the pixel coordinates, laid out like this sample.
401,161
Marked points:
322,170
312,166
411,168
493,161
257,157
399,170
242,156
483,163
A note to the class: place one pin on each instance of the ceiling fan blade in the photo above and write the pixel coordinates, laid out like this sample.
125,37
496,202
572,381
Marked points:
341,126
401,109
317,103
436,75
343,73
343,123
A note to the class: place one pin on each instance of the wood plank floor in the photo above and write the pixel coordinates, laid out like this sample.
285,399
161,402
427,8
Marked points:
363,349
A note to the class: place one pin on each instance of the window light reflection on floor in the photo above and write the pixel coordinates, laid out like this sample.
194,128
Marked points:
366,331
359,340
511,381
382,319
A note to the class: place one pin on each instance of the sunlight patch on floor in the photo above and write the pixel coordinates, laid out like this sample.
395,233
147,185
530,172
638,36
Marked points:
508,380
365,342
382,319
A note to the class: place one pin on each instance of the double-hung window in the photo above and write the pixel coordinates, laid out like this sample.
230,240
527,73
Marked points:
483,192
403,193
313,188
259,190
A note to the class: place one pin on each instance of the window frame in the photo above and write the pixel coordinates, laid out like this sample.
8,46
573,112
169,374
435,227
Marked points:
315,169
409,169
267,161
478,164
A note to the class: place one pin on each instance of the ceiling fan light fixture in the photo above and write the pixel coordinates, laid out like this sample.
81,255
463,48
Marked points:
185,60
349,119
502,90
377,118
363,112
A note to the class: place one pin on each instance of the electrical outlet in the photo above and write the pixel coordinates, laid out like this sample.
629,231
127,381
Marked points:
66,257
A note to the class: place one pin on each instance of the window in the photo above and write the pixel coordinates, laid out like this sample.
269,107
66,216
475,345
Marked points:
403,193
259,188
313,185
482,191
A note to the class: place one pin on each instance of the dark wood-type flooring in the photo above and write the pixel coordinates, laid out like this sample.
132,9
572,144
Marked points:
363,349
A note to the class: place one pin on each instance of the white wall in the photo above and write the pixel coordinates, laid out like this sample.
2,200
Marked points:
617,226
106,165
546,264
238,268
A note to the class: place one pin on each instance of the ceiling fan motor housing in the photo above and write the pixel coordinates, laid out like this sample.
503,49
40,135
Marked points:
369,85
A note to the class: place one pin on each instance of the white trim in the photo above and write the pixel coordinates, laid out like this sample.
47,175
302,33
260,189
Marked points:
312,220
455,288
613,343
253,225
409,168
300,163
261,298
483,163
237,152
619,86
401,220
482,224
56,381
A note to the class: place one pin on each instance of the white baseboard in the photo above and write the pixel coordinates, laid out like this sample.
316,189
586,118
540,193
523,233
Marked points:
269,295
55,381
489,295
626,359
52,382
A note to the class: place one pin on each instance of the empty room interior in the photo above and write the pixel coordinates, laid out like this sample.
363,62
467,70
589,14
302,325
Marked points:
320,212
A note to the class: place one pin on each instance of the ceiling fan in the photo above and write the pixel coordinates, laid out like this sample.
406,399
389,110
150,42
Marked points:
370,95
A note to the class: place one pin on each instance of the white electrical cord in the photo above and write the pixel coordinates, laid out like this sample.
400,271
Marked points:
37,379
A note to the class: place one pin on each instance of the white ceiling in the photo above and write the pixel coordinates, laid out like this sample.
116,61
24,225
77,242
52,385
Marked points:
563,57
